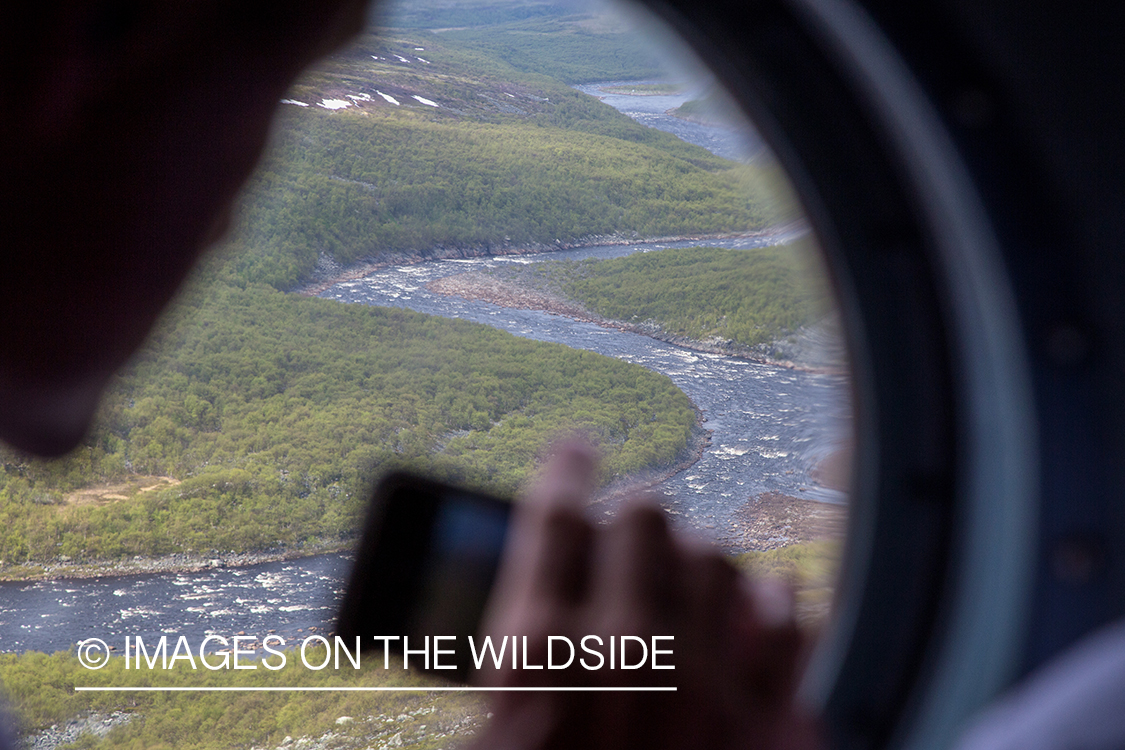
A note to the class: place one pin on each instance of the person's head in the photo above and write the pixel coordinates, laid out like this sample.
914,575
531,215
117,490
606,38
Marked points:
126,129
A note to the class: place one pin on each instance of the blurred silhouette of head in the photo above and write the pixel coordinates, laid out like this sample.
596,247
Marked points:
128,127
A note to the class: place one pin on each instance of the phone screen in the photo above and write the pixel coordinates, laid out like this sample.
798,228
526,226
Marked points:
425,563
464,553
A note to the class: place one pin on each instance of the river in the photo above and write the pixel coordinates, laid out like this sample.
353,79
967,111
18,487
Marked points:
769,426
739,142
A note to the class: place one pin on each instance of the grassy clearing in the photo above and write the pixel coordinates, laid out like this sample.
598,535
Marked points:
107,492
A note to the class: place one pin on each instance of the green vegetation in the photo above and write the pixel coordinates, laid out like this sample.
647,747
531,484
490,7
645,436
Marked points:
40,688
508,157
811,570
277,412
745,296
715,106
698,108
573,43
803,566
450,14
562,48
741,297
350,188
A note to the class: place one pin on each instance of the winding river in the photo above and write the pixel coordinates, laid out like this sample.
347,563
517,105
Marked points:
769,427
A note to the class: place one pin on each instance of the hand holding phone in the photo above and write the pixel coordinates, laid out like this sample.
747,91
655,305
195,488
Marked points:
730,674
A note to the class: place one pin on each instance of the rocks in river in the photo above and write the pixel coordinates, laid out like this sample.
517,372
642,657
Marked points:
446,725
174,563
478,286
772,520
329,272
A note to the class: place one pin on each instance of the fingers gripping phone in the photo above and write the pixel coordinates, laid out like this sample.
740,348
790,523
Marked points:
424,566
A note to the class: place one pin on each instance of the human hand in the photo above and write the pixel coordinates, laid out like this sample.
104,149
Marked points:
736,647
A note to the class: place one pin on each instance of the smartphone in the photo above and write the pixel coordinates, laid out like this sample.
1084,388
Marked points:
424,567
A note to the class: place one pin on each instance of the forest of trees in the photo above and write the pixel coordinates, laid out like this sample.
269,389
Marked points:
277,412
353,188
564,48
745,296
411,186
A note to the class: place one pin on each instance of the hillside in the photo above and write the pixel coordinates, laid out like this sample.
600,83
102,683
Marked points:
413,141
271,415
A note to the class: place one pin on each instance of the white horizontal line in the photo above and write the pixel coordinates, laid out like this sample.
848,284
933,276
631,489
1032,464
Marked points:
447,689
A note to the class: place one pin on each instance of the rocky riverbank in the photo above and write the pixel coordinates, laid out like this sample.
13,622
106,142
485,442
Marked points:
176,563
772,520
329,272
96,725
610,497
812,349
